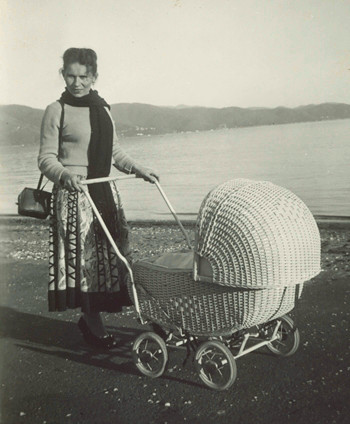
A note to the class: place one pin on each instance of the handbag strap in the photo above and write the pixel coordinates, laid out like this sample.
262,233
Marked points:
60,131
40,181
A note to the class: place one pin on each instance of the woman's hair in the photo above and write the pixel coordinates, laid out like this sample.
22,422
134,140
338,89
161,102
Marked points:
86,57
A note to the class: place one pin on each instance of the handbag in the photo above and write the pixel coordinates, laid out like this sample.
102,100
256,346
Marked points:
35,202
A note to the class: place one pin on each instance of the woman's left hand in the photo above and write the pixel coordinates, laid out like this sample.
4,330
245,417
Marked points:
147,174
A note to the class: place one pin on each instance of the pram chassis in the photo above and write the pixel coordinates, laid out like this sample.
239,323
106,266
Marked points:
215,357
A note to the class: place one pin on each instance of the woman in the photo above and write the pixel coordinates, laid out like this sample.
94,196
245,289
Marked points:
78,141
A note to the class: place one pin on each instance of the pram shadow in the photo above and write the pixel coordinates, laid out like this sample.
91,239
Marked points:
62,339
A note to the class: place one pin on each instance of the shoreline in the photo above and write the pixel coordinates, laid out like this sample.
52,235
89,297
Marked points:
322,220
123,135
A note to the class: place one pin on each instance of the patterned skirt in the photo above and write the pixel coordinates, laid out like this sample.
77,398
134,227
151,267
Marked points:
84,270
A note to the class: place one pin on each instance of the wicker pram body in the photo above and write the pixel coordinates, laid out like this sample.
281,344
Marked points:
173,299
258,241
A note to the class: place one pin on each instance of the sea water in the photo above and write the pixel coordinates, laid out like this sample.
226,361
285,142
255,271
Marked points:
310,159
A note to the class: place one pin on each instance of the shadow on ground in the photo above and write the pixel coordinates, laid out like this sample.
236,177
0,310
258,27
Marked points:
61,339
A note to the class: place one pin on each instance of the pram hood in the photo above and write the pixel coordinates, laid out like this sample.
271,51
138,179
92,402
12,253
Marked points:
255,234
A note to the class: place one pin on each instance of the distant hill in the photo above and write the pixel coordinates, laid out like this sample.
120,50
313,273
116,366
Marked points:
21,124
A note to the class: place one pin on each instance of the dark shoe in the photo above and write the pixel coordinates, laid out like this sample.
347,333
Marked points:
104,342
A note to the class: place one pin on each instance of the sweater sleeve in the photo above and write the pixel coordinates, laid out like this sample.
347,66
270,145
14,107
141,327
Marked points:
48,162
122,161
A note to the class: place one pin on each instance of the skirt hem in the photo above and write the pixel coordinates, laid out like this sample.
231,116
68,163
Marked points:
71,298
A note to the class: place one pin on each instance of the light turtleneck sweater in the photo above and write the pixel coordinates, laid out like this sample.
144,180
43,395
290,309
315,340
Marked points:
76,133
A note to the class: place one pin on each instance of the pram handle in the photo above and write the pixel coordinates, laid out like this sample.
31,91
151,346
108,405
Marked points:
110,238
125,177
105,179
115,247
184,232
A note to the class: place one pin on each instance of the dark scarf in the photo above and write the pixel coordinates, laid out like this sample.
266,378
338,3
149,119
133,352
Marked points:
99,154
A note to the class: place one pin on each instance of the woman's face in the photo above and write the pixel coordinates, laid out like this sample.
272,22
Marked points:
78,79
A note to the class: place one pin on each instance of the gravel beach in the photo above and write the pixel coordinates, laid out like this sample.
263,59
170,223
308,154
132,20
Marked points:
49,375
27,239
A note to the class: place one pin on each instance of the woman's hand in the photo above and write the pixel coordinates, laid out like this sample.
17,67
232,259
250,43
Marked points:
70,182
146,173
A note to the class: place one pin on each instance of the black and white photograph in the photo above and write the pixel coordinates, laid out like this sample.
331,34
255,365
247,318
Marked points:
174,211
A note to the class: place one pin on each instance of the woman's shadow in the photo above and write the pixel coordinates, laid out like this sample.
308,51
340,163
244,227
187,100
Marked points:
62,339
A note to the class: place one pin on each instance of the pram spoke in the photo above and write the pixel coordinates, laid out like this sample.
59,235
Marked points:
219,371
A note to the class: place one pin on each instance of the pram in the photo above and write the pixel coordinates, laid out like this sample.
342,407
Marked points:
255,245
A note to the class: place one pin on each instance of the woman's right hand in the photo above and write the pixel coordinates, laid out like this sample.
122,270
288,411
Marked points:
70,182
146,173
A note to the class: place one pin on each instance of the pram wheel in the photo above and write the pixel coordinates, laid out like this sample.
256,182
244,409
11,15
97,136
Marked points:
288,338
150,354
216,365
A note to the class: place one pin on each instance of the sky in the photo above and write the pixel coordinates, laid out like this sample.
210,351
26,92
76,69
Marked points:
214,53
